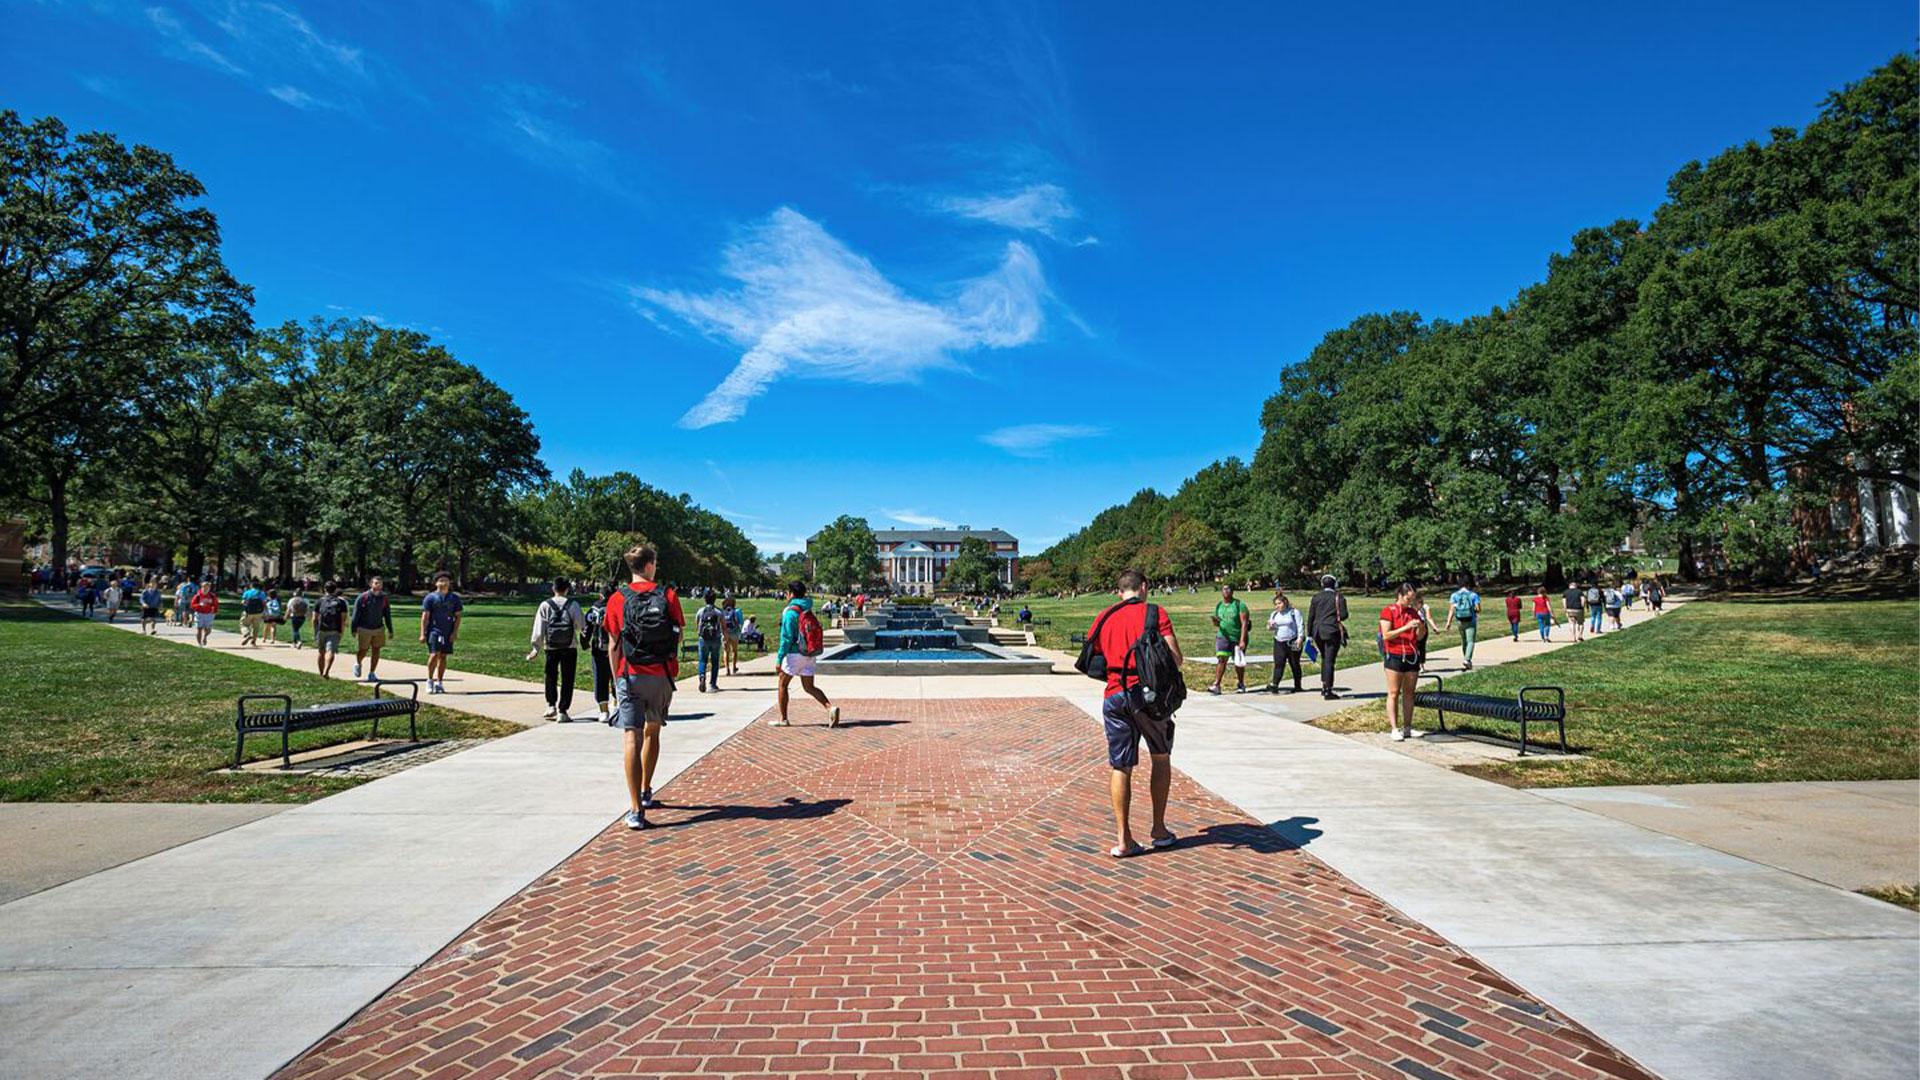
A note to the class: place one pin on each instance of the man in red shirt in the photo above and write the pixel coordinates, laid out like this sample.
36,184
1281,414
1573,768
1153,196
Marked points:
646,661
1126,721
205,606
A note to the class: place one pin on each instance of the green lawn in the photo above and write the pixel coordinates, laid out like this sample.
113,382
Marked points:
1722,691
97,714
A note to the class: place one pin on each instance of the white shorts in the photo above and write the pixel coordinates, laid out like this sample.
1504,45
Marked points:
798,664
203,620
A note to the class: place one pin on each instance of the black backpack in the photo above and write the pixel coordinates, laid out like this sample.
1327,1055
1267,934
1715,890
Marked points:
647,631
1093,662
559,626
1162,687
597,628
328,613
254,605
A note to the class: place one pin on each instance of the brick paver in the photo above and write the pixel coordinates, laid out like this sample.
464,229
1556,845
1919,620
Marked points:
926,893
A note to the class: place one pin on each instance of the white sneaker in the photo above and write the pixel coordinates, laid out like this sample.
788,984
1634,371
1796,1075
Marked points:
1412,734
550,713
356,670
833,716
1397,735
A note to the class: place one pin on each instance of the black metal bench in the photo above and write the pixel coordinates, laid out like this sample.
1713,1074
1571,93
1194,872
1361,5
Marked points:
286,719
1517,710
1076,639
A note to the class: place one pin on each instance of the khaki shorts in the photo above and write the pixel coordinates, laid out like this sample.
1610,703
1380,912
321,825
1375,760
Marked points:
370,639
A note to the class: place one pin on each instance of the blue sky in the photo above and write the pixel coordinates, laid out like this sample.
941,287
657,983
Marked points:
999,268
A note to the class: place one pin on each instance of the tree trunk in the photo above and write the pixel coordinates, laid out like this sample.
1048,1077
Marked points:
466,566
286,562
196,558
326,558
406,566
1506,568
359,564
57,515
1687,570
219,561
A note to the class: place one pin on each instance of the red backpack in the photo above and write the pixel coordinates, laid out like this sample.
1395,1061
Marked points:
807,632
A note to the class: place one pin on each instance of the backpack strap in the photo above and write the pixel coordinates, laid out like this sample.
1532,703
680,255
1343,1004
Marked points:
1094,635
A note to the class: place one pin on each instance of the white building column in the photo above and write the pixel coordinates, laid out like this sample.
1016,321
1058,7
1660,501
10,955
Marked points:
1900,512
1869,514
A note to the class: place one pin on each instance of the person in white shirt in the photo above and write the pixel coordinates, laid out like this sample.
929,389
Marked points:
1289,637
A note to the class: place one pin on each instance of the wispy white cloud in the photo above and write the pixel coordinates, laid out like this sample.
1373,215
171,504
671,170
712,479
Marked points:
1041,208
918,520
270,45
1035,440
531,125
809,306
188,45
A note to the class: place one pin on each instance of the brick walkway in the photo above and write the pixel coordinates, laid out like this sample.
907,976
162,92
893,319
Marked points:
926,893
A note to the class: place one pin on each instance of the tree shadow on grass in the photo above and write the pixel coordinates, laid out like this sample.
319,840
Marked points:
788,809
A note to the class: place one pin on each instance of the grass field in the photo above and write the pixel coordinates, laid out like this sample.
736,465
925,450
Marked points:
1722,692
96,714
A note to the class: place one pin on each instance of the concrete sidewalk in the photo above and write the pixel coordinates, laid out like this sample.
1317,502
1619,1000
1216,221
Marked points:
228,956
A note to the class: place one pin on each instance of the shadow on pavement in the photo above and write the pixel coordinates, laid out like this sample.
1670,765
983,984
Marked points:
1288,835
788,809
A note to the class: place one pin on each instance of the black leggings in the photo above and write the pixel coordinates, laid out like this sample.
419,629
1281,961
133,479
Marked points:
602,677
1284,653
560,667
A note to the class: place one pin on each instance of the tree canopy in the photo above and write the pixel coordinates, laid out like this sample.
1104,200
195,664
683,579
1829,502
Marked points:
1748,353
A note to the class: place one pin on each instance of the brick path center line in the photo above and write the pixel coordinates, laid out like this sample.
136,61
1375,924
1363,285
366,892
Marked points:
926,892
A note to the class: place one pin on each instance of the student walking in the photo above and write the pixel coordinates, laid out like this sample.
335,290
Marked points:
710,634
331,613
644,623
557,623
1656,595
1513,613
439,625
273,616
372,621
183,602
1574,604
110,599
1327,629
253,614
87,597
1543,613
1403,624
1126,714
298,608
595,634
730,622
150,607
1231,621
800,645
1289,636
205,606
1464,605
1596,606
1614,602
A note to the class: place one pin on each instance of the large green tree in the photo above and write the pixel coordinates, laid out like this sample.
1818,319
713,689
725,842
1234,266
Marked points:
110,281
845,555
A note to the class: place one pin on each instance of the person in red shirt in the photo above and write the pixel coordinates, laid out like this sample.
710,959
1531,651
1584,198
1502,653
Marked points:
1543,613
1513,613
205,605
642,684
1114,632
1401,626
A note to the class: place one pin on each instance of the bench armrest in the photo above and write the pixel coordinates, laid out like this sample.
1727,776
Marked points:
1560,696
1438,682
240,703
414,683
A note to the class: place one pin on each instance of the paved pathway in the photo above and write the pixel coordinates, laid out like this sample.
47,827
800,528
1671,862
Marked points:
1851,833
50,843
926,892
1667,949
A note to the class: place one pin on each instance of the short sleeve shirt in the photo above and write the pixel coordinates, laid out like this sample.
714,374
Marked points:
441,611
1117,637
1464,602
616,617
1229,613
1576,598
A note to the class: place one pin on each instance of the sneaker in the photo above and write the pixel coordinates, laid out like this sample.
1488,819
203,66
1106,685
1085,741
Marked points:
564,718
833,717
635,820
646,799
1214,690
1397,735
1467,665
373,676
356,669
550,713
1413,734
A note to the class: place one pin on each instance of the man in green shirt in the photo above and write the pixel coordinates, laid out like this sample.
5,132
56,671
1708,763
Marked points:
1231,622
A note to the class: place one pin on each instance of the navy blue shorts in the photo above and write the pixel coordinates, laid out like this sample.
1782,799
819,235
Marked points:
1127,724
439,643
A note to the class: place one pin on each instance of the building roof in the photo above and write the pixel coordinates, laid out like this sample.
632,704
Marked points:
931,536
